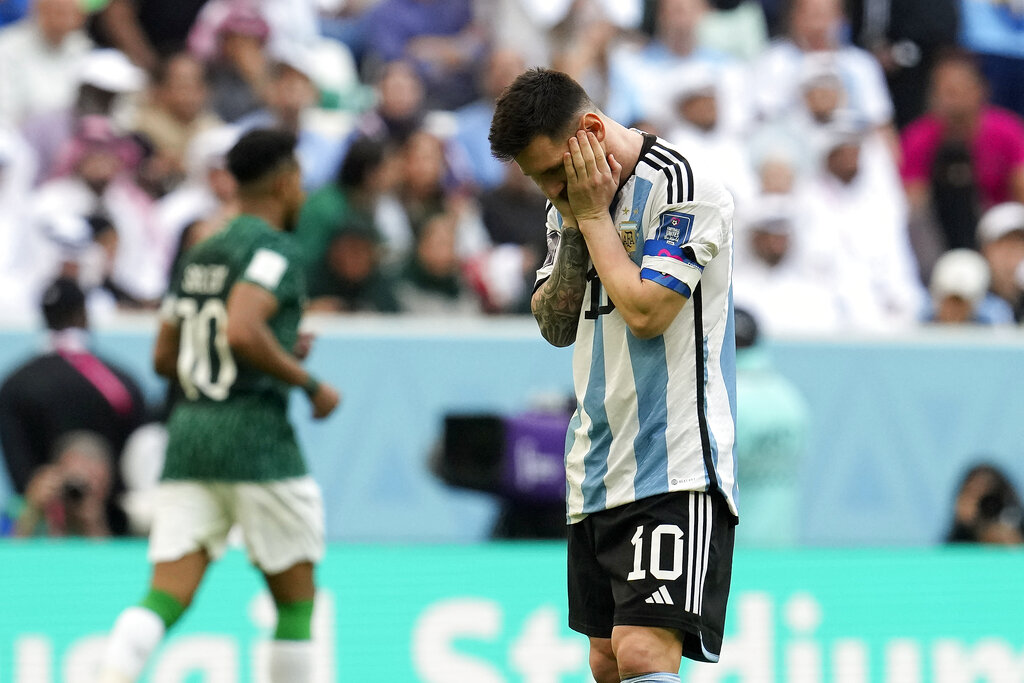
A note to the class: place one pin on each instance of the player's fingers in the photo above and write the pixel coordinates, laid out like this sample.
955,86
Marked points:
600,163
587,153
579,166
570,167
614,167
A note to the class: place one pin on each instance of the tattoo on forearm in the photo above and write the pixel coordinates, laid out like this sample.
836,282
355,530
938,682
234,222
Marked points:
556,305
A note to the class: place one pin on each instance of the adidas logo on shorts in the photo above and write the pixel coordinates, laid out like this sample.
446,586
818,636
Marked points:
660,597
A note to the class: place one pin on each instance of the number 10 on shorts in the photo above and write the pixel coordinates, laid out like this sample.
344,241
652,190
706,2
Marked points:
656,563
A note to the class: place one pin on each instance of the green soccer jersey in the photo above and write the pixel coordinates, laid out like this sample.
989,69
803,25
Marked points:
231,424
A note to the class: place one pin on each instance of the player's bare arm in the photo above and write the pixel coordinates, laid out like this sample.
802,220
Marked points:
251,339
165,351
556,304
592,180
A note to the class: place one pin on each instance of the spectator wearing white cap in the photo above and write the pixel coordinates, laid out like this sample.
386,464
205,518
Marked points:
38,55
291,96
61,243
959,292
769,280
105,81
95,176
1001,234
815,28
853,234
697,128
823,101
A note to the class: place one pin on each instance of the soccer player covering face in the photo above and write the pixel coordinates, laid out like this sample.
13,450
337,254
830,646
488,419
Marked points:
638,275
229,336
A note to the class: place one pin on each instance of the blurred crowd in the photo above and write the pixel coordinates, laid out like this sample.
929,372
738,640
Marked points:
875,149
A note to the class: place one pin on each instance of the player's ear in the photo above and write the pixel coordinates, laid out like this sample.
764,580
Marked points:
282,182
592,123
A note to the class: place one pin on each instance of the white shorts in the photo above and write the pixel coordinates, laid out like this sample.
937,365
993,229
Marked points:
282,521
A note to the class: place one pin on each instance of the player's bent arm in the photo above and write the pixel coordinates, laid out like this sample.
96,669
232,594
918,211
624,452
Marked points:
556,304
251,339
647,308
165,351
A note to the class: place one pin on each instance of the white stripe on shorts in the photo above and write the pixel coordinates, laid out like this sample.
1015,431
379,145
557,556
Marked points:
689,560
707,546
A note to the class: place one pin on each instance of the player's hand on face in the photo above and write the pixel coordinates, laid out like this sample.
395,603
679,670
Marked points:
555,193
324,401
561,204
592,177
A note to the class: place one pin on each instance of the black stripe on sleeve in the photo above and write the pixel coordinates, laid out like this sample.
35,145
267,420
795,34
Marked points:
686,165
689,180
671,191
702,420
676,197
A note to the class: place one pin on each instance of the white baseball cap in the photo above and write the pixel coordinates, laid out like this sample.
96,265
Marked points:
694,80
960,272
820,70
209,149
110,70
1001,220
771,213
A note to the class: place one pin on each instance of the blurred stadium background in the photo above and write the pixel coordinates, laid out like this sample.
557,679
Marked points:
859,415
413,589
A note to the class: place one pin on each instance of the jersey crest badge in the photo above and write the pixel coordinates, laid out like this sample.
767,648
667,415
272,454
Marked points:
627,233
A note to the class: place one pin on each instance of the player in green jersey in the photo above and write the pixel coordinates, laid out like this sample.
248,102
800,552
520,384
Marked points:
228,335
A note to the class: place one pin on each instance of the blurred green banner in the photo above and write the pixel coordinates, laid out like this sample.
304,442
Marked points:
496,613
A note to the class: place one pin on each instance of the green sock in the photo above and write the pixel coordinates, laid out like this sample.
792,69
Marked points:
294,620
164,605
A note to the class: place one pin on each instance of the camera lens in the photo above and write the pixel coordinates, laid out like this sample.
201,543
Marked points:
990,506
73,491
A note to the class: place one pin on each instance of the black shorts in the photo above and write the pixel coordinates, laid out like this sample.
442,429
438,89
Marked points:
661,561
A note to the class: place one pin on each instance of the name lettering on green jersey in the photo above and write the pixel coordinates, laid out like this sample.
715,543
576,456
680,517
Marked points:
204,279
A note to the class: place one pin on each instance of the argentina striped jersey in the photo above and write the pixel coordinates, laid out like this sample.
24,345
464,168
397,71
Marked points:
657,415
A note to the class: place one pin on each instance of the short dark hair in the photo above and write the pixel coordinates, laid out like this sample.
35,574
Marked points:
99,224
364,155
258,153
745,324
539,102
63,304
162,70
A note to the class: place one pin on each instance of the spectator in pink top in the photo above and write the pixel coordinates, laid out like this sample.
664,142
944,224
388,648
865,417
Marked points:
962,157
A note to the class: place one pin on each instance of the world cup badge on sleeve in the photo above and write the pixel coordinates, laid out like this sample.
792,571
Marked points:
672,235
627,233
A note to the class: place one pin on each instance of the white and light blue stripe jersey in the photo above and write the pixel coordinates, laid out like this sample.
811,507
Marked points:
657,415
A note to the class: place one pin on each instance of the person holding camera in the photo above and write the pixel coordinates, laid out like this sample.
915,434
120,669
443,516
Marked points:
68,498
63,390
987,509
